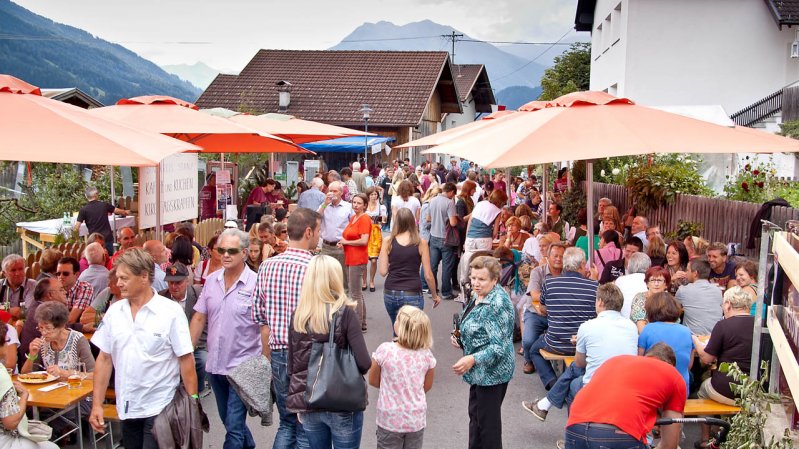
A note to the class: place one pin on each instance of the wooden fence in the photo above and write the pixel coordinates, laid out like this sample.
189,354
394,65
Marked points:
724,220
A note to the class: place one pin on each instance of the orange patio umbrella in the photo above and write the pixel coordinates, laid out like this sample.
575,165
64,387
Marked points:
291,128
182,120
38,129
590,125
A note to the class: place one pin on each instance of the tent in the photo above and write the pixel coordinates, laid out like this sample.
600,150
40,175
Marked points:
348,144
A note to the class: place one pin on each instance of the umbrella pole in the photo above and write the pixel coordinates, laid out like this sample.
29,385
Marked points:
158,230
545,176
113,215
589,188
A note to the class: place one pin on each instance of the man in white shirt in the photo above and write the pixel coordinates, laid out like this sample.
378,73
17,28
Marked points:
632,282
145,338
638,229
336,215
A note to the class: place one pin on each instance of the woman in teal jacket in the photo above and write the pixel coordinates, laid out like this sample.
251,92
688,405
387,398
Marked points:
485,333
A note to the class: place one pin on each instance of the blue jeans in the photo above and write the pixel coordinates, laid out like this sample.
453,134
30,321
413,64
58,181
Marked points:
233,413
561,393
290,434
341,430
591,436
394,300
534,326
438,253
542,366
200,356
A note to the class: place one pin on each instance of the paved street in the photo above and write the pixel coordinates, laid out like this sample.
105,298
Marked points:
447,417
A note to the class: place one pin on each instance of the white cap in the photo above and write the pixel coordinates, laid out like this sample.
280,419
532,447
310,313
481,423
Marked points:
231,224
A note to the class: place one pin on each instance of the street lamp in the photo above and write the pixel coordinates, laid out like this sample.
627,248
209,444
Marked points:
366,110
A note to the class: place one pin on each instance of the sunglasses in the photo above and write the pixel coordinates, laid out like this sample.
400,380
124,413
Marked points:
231,251
64,273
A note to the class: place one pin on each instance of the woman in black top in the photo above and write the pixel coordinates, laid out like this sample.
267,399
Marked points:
401,256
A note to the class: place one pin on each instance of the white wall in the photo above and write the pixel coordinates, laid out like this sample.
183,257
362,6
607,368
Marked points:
727,52
468,115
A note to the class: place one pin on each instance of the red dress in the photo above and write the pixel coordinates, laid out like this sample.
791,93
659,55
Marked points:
356,255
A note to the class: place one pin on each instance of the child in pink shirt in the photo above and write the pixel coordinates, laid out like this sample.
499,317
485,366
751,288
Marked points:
403,370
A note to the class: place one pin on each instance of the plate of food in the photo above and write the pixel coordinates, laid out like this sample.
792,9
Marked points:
36,377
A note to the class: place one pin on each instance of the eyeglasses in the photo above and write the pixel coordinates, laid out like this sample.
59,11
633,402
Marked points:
45,330
231,251
63,273
657,281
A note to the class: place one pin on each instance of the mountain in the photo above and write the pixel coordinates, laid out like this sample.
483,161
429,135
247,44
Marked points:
504,69
52,55
198,74
515,96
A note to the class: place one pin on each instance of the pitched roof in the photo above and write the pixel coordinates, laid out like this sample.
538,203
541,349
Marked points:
473,79
74,96
331,86
785,12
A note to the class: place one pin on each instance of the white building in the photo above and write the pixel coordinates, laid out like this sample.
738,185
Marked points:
733,53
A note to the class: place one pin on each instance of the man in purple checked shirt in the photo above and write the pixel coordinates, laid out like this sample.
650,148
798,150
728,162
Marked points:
233,337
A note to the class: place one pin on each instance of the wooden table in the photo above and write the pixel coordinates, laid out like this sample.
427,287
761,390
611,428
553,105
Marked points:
62,399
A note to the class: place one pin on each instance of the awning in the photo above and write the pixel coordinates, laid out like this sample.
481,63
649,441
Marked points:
349,145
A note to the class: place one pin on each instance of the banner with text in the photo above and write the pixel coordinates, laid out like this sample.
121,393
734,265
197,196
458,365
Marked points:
178,192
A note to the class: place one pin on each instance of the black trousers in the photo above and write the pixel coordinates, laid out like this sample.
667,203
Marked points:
137,433
485,416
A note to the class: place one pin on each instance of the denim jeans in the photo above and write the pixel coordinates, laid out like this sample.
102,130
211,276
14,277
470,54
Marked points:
543,366
446,254
394,300
341,430
534,326
200,356
561,393
290,433
589,436
232,412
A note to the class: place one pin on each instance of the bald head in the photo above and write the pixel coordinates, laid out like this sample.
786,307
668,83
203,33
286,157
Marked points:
126,237
156,250
95,254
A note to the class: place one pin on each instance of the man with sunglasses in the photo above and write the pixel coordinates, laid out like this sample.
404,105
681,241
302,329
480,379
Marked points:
79,293
225,304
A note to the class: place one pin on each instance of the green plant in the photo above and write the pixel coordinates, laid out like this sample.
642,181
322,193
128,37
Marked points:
572,201
684,229
746,427
657,182
790,129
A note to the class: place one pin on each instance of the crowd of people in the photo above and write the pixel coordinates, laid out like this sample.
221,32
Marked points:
648,315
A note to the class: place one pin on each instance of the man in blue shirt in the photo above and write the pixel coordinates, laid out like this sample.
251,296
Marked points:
570,301
606,336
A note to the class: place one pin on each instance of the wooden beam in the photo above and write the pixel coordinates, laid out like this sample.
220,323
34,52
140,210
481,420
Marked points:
787,256
788,364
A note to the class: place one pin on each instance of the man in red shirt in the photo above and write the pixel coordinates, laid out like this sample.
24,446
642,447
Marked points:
208,197
619,406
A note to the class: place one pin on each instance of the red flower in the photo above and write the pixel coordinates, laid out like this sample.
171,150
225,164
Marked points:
756,172
745,186
760,184
747,167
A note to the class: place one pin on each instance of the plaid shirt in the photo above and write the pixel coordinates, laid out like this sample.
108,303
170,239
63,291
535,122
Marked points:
277,292
80,295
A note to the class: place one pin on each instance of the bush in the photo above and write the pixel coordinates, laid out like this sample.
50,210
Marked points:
658,181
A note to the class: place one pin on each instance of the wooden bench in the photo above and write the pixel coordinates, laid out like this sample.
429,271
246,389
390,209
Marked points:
704,407
551,356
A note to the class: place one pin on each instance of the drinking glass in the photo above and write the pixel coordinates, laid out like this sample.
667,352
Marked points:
77,372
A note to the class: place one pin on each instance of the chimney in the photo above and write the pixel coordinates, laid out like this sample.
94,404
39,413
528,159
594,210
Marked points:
284,95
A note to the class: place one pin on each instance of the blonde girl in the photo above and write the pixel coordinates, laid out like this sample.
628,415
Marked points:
403,370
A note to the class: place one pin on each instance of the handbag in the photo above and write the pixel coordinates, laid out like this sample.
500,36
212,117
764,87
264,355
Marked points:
334,382
36,431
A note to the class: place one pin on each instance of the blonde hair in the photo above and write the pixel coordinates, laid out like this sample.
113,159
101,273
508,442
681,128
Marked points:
738,298
431,193
414,330
323,285
489,263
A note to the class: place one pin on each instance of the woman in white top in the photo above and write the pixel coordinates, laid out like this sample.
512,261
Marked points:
376,210
404,199
480,229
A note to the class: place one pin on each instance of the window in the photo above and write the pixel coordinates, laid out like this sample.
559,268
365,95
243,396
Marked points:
616,24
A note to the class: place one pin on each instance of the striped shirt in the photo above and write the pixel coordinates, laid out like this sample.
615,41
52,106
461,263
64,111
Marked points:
80,295
570,300
277,293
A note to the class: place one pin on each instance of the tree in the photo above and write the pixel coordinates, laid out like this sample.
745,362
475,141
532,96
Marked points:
570,73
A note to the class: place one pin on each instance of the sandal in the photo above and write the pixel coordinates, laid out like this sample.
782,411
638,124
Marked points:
372,288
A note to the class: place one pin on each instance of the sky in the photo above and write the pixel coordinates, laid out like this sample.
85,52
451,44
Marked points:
225,34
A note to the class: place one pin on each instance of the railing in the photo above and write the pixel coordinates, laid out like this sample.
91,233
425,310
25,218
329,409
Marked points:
758,111
725,221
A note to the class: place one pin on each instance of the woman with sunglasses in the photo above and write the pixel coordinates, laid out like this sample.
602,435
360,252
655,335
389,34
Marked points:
208,266
657,280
